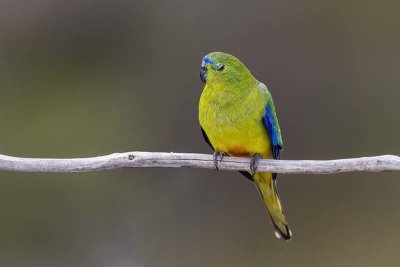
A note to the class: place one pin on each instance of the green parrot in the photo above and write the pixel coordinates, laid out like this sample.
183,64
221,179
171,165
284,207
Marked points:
237,117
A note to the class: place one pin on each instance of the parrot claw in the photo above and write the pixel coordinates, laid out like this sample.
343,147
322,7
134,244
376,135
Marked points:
254,163
218,156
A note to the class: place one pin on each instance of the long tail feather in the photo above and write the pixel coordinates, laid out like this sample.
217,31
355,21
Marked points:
268,191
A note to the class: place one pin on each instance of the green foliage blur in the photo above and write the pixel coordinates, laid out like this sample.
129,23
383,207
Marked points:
85,78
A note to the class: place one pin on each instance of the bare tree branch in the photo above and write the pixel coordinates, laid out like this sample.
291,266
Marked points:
179,160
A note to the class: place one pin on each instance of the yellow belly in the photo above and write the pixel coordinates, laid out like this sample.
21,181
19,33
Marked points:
240,141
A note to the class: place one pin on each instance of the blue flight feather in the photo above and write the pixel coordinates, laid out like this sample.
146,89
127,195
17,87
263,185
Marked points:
272,129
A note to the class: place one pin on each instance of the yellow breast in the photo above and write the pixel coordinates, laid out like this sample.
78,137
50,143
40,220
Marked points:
234,127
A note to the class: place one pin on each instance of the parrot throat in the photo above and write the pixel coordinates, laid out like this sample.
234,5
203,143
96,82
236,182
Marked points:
229,92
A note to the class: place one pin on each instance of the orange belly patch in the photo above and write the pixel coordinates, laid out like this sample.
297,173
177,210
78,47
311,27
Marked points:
239,151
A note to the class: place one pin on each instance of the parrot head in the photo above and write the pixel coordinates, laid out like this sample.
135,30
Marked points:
219,68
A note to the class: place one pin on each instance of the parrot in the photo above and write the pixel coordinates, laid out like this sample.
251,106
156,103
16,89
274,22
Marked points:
238,119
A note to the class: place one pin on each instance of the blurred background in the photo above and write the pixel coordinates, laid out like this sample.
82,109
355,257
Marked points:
85,78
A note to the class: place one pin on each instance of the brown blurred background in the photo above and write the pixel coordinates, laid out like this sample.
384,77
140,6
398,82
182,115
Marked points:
84,78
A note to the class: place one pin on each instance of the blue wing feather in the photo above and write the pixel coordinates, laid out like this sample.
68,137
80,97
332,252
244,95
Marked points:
273,130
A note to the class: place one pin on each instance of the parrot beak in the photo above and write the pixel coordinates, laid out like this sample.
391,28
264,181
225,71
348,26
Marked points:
203,73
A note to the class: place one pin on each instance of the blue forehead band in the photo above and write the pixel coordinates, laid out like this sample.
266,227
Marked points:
208,60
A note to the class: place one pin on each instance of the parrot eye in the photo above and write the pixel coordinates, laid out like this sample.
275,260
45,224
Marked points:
220,67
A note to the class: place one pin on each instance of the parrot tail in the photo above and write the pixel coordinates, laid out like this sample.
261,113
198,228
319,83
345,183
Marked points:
268,191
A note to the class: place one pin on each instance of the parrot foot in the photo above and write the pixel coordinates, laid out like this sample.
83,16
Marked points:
254,163
218,156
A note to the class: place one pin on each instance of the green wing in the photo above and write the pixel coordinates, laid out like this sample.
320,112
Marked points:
270,121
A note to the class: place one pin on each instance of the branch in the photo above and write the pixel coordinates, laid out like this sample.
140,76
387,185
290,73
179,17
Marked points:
179,160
